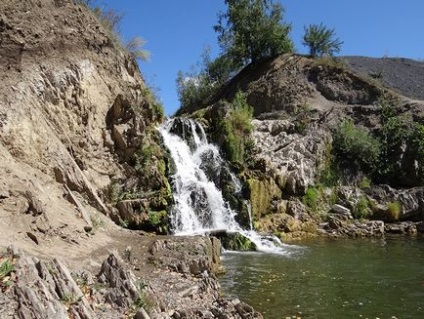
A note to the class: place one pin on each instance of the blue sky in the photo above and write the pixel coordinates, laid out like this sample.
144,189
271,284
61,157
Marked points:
178,30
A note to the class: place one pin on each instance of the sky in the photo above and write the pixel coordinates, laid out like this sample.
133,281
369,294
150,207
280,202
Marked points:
177,31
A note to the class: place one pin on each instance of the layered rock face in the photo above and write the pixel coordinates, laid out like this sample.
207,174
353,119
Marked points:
298,104
74,110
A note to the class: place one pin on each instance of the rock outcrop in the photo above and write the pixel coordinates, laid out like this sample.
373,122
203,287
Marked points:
298,104
75,114
178,282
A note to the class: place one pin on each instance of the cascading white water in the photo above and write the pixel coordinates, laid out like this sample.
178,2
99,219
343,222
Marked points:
199,204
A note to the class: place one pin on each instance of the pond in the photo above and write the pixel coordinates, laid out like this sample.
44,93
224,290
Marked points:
381,278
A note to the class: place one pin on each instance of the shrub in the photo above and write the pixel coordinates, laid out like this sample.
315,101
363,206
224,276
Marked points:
321,40
311,198
237,128
361,208
365,182
330,174
394,211
196,88
159,221
134,47
417,147
356,147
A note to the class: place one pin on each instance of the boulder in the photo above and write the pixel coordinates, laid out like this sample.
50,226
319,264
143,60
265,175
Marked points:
341,210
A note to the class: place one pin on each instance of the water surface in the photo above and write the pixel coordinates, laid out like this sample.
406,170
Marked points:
332,279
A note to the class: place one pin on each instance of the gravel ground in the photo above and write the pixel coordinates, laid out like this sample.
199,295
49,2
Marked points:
405,76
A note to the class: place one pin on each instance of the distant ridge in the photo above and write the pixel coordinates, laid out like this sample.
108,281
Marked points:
404,75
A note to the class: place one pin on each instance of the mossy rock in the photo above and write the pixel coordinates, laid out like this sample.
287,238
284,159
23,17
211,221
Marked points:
158,220
262,192
235,241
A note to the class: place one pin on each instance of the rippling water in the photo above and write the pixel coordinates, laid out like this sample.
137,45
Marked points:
332,279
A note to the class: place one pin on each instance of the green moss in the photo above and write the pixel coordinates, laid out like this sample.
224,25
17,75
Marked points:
236,241
262,193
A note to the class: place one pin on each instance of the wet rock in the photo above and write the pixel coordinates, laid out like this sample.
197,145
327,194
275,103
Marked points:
235,241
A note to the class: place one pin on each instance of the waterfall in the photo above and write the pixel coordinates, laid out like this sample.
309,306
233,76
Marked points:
199,204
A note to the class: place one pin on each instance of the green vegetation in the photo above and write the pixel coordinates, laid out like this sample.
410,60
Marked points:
355,147
262,192
238,242
159,221
236,128
321,40
251,30
394,211
311,198
6,269
71,298
361,208
197,87
393,153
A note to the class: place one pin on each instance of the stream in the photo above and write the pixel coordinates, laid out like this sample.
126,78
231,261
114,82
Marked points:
381,278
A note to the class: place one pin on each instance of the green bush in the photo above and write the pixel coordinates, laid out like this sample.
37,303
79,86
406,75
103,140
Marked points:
356,147
364,183
361,208
159,221
330,174
310,198
236,128
417,148
197,87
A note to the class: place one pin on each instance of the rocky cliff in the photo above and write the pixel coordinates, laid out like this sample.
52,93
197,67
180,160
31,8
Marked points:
75,116
313,123
78,150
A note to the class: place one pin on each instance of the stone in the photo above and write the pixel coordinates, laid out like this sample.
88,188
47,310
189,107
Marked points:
142,314
122,292
420,227
339,209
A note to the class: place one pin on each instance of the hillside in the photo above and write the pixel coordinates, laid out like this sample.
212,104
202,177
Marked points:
406,76
328,141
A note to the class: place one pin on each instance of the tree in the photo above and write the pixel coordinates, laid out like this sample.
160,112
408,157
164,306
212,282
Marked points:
251,30
321,40
195,88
